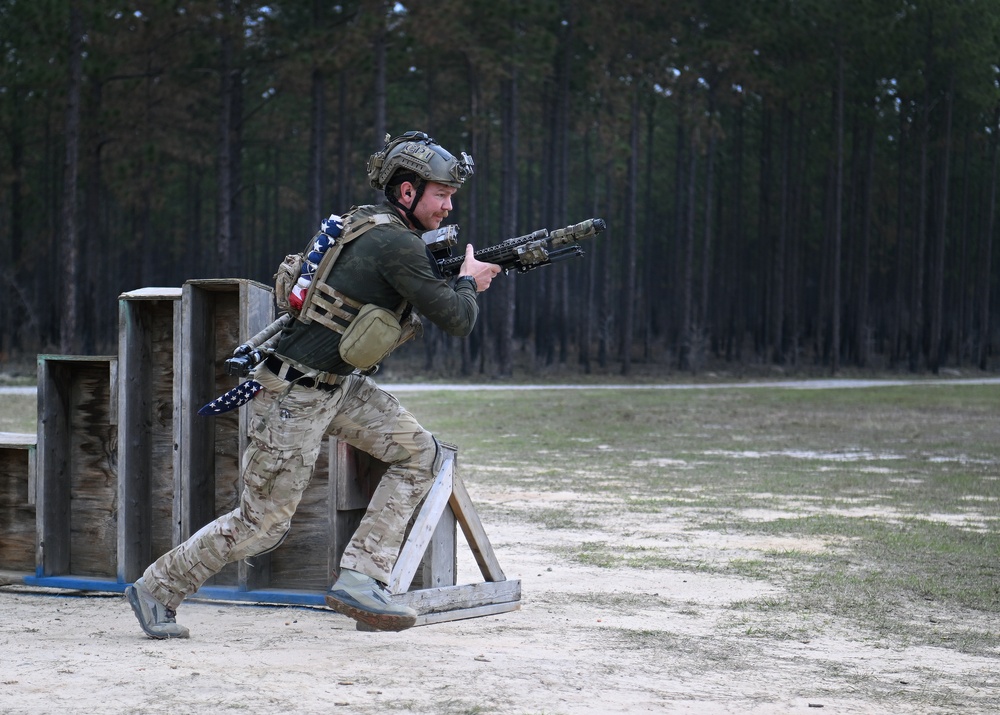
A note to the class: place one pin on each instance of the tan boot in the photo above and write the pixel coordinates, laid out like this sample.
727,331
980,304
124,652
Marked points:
156,620
365,600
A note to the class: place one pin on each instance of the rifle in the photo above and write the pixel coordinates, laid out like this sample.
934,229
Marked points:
523,254
534,250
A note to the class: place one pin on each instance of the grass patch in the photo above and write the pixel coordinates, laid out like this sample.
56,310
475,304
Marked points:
609,555
17,413
903,483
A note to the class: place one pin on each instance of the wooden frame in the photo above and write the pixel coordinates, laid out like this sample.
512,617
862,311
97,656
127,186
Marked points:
77,475
148,320
216,316
17,504
448,502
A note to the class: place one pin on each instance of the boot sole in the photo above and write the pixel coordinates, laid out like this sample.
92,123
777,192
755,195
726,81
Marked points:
378,621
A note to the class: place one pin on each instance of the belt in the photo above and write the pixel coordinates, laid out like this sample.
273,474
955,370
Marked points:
290,374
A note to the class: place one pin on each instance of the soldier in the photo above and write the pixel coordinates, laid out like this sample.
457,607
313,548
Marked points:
310,391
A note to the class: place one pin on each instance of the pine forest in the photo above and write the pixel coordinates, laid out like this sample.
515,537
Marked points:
790,185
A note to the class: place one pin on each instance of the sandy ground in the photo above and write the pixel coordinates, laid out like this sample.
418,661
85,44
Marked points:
586,640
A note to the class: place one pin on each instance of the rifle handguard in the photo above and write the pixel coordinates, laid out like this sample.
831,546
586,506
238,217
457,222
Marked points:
533,250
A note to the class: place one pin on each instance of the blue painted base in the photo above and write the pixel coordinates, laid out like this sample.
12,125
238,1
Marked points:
213,593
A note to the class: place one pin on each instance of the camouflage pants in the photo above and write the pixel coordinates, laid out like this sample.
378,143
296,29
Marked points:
288,428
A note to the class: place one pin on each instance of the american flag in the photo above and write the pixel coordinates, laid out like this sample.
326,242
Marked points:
239,395
329,229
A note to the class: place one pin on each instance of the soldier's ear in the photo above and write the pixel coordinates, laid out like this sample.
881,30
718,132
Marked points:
406,192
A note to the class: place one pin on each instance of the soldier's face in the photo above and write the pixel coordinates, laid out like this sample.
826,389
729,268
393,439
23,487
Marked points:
434,205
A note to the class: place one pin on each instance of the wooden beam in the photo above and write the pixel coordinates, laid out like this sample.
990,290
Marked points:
472,595
475,534
423,529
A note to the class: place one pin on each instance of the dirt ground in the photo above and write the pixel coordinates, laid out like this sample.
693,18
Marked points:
585,640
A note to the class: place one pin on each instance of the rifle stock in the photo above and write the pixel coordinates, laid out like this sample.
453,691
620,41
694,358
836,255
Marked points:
534,250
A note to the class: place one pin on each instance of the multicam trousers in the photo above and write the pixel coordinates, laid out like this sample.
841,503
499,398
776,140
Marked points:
288,428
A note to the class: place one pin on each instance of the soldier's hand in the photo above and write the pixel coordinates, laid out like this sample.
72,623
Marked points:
482,272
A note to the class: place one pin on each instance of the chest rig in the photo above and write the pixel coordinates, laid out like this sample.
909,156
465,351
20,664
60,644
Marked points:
323,303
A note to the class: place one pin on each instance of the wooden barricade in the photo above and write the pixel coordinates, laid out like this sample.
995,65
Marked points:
77,472
125,469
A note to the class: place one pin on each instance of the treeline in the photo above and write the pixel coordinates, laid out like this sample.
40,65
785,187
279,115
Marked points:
787,182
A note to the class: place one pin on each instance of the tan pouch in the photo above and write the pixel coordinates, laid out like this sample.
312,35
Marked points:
370,337
285,279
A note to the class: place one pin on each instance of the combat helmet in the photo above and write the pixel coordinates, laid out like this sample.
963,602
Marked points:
416,154
416,158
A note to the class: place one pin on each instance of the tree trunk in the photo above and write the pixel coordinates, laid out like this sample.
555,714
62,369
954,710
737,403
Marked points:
69,239
778,288
896,329
920,237
11,323
650,239
935,358
343,144
564,322
631,210
317,151
478,184
604,301
705,315
506,301
224,156
379,51
864,278
763,262
838,217
986,255
688,360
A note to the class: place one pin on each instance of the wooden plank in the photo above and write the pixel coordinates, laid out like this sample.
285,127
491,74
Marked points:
440,565
459,614
181,460
358,475
162,449
133,443
52,508
354,477
432,600
146,518
302,560
255,311
195,465
217,315
422,529
475,534
173,293
345,512
17,510
18,439
93,484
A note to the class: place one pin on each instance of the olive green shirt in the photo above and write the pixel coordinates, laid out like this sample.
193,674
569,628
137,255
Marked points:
386,265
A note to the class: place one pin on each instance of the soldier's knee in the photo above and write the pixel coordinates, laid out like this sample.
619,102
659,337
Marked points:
425,455
261,540
274,537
